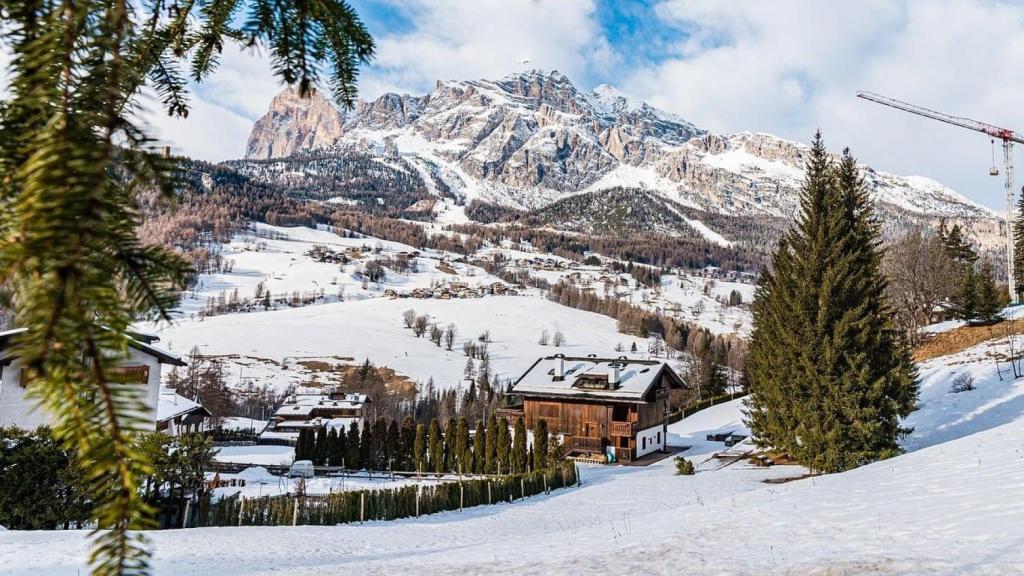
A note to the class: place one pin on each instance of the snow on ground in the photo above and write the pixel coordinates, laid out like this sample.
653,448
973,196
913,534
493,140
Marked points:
259,482
240,423
274,343
266,455
952,508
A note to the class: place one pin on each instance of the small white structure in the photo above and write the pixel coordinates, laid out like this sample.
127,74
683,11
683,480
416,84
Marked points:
176,414
141,367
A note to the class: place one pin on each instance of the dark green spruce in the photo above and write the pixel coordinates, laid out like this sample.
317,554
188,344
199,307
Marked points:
830,375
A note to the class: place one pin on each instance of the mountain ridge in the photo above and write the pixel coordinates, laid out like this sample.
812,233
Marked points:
532,138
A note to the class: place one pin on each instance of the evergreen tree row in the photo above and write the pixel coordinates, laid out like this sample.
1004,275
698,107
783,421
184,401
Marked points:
382,445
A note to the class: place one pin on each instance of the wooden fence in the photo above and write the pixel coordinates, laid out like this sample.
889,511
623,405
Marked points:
382,504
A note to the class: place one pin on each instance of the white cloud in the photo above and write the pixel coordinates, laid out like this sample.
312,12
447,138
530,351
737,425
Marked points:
459,40
211,132
791,67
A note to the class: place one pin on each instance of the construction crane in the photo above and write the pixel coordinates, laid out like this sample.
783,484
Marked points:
1007,136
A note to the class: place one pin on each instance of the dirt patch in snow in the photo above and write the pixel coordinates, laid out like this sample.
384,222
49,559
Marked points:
964,337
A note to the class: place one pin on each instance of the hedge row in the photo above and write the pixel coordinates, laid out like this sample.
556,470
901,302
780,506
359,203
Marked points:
384,504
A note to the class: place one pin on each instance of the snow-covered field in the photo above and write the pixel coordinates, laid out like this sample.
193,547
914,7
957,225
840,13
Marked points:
952,508
256,454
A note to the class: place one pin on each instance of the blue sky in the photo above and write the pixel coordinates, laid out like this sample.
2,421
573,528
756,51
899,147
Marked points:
786,67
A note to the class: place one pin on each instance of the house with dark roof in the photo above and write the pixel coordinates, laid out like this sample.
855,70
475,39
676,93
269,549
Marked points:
615,408
141,366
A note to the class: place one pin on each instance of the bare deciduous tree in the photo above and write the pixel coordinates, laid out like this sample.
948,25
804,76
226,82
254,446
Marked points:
409,317
559,339
449,336
419,327
921,276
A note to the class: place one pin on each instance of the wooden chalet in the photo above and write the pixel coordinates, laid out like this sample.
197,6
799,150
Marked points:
601,406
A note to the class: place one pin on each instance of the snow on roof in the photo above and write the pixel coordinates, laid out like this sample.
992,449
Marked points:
295,410
585,377
172,404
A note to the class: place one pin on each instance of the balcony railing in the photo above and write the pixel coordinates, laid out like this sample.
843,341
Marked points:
627,429
585,444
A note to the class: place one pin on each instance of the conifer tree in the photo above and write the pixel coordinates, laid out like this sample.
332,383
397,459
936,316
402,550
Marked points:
320,446
367,452
479,448
987,300
503,447
463,456
353,450
393,447
450,457
829,374
491,445
419,449
407,444
518,456
337,451
436,447
967,295
380,438
1018,246
305,445
540,445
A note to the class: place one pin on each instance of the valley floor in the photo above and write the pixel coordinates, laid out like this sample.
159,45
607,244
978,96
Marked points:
952,508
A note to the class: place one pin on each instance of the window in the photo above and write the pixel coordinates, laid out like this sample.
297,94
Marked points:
644,447
659,438
126,374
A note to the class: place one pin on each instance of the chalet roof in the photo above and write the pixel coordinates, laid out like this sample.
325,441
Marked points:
304,404
635,380
172,404
138,340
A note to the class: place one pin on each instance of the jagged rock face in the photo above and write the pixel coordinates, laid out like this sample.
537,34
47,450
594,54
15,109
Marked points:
295,124
531,138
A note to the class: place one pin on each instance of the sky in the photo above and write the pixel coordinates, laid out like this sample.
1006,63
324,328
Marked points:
786,67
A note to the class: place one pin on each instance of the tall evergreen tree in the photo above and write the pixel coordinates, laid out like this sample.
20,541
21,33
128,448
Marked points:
380,438
829,374
353,449
367,448
436,447
491,445
419,449
502,447
393,447
518,457
463,455
987,298
967,294
338,449
479,448
320,446
1018,246
540,445
450,440
408,441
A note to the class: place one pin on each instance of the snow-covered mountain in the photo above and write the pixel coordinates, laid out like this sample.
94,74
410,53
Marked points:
533,138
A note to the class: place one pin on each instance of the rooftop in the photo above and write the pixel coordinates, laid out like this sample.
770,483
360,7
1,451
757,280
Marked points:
622,379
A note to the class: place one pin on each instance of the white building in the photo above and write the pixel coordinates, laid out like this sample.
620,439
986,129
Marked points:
176,414
313,408
142,366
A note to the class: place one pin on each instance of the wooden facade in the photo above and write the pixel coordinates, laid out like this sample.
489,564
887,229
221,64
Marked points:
593,422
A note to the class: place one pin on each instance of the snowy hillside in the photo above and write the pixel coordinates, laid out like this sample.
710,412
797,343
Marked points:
317,315
950,506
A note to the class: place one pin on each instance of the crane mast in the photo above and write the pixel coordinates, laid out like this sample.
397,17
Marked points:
1007,136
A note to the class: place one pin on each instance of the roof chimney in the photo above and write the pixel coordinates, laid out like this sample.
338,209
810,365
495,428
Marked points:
559,367
613,375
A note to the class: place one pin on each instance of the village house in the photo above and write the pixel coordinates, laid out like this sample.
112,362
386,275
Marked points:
615,408
141,366
176,414
313,408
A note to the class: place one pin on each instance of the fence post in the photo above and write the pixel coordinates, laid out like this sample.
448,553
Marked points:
522,487
184,519
241,509
362,506
295,513
576,469
462,494
418,486
488,492
545,476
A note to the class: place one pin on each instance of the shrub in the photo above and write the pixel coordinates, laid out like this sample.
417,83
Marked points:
961,383
684,467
